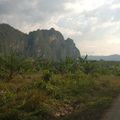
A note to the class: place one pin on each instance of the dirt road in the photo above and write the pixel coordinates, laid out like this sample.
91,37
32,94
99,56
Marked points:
114,112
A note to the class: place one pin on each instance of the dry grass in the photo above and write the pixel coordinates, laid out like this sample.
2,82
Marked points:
70,96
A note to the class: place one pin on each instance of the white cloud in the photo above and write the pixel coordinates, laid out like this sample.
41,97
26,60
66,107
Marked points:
99,48
93,24
115,6
86,5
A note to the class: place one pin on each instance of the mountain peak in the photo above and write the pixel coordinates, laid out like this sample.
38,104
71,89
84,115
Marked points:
4,25
52,29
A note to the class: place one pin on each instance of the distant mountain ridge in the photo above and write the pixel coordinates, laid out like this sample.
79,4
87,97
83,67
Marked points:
114,57
48,44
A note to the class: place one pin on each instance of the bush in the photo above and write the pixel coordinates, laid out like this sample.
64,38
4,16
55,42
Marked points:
11,65
10,115
46,75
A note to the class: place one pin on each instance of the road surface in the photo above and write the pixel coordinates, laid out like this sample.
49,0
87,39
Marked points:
114,112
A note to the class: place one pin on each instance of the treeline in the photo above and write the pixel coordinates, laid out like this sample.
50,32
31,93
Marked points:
12,65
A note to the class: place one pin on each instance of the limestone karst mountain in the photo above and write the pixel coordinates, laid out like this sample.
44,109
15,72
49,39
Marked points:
40,43
11,40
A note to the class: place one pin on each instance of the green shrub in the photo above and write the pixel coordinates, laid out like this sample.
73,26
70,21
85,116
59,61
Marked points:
5,97
12,114
40,84
46,75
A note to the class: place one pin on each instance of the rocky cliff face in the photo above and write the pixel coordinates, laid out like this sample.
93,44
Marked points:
11,40
48,44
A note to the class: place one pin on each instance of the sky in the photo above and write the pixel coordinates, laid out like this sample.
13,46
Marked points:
94,25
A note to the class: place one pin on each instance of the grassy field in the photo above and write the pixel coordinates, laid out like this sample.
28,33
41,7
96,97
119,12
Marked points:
75,94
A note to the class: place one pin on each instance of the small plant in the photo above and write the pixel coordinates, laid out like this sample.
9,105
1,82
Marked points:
46,75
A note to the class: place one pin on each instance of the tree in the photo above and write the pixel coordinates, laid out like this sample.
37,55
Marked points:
11,65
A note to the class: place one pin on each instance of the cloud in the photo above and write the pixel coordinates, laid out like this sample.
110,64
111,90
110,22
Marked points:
90,22
30,11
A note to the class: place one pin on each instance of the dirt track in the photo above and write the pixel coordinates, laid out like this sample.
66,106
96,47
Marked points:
114,112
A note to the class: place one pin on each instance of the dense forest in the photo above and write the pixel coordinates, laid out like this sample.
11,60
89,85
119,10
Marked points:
42,89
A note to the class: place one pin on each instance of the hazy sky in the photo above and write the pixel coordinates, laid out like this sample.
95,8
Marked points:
93,24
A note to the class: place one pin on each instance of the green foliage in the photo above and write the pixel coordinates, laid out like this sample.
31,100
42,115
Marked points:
12,65
10,115
46,75
46,90
87,67
9,66
5,97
